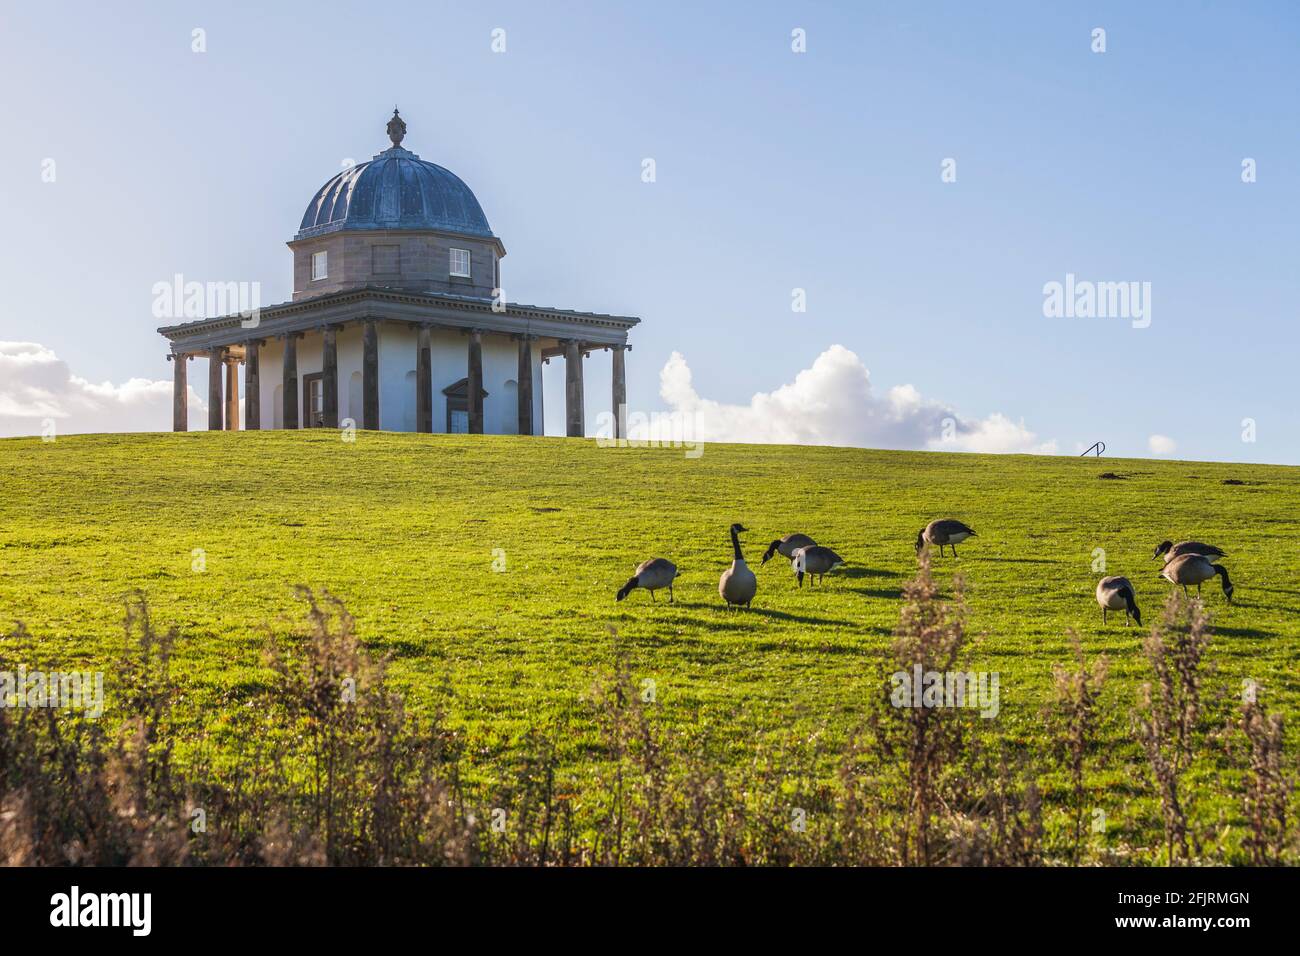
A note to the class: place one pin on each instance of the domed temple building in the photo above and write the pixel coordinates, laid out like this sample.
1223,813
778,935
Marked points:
397,321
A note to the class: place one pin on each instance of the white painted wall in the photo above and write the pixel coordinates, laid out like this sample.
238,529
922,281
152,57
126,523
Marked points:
449,352
397,345
347,342
270,365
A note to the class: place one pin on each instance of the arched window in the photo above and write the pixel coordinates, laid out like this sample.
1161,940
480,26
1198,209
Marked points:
510,414
408,405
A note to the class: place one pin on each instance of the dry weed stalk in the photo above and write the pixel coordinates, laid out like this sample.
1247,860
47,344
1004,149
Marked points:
1169,708
1076,692
930,635
1267,785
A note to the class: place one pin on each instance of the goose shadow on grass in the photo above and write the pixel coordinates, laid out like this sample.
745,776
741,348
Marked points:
696,646
1293,593
740,624
891,594
763,612
796,618
1241,632
1215,605
400,648
854,572
819,650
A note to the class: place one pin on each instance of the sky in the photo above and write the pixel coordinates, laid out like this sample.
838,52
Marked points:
921,171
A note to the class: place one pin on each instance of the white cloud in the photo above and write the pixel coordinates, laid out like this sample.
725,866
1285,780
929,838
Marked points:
37,386
1162,445
831,403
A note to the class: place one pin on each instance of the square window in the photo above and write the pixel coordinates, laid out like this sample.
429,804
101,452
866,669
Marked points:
460,262
319,265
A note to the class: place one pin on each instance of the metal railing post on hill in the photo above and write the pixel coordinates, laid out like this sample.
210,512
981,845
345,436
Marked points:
1100,446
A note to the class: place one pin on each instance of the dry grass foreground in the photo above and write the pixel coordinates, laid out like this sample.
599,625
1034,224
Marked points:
513,726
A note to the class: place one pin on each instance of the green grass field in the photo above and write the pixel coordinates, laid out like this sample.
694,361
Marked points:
410,531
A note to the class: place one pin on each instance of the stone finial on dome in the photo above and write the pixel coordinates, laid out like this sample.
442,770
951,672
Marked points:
396,128
394,189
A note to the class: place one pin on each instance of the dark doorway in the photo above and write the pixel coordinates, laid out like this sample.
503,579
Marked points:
458,407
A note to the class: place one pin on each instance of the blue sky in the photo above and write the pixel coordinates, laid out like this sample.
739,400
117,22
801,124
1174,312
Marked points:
775,171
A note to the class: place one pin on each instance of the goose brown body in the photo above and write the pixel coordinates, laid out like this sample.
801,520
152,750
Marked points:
738,583
1171,550
1196,569
787,546
651,575
944,531
1116,593
814,561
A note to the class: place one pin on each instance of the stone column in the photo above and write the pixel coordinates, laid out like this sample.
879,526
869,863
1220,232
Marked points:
180,393
474,386
524,376
620,393
289,380
329,379
216,357
252,385
370,376
232,394
573,389
424,380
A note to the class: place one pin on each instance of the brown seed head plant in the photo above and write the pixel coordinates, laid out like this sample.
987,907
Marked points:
1268,786
928,740
1076,690
318,761
1169,708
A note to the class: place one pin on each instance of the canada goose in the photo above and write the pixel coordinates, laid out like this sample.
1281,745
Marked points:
1195,569
943,531
652,575
1171,550
787,546
1114,593
738,583
815,561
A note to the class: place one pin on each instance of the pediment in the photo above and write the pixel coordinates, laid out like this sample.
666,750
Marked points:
461,390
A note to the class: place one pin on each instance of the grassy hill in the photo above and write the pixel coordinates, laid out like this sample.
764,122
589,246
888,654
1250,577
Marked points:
486,569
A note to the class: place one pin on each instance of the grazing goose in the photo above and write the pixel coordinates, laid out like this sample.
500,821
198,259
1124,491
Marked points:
738,583
1195,569
1171,550
1115,593
815,561
943,531
787,546
652,575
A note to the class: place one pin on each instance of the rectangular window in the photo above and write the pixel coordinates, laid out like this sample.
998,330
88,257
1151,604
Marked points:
313,400
460,262
319,265
386,260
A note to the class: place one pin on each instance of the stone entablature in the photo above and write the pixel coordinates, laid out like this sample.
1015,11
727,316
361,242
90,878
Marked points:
597,330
